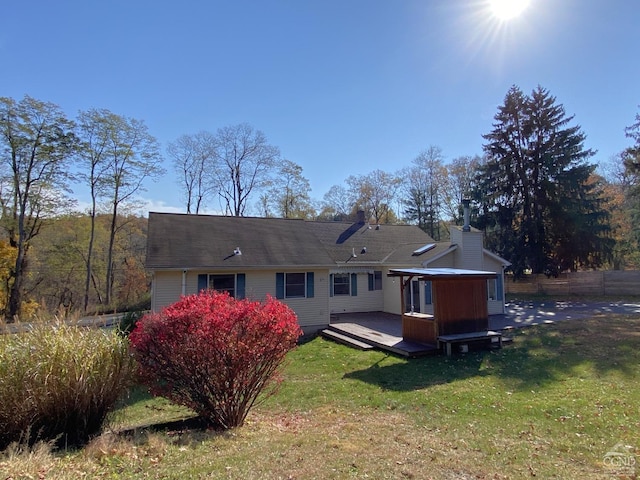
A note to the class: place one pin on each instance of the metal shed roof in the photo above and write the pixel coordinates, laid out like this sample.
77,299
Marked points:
440,273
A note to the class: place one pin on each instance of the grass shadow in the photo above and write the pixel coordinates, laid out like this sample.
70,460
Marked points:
420,373
537,357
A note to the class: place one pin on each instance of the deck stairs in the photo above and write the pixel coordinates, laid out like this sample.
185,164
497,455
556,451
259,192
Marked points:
364,338
344,338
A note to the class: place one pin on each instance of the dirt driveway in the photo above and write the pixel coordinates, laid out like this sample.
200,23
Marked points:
530,312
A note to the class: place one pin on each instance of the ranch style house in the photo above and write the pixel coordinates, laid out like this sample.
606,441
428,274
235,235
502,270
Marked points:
319,268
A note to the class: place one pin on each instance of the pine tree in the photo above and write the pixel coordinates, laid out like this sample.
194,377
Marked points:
540,205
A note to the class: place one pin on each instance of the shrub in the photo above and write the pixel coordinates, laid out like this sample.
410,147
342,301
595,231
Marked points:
60,382
128,322
215,354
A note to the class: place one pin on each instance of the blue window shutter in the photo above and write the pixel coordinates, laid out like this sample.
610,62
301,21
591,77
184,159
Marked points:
280,285
310,285
427,293
371,281
354,284
202,282
499,288
331,285
240,286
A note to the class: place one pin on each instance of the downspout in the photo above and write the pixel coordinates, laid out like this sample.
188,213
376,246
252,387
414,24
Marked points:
184,282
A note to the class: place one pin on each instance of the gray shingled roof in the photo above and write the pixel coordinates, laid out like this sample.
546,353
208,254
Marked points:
178,241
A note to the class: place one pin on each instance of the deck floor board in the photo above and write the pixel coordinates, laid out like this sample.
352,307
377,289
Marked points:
383,340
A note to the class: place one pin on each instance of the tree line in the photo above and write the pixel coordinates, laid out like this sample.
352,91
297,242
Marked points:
539,198
43,154
536,194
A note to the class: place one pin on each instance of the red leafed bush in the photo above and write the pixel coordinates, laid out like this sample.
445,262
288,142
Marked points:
215,354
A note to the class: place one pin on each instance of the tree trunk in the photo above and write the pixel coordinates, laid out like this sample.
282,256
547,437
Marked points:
112,240
15,293
87,282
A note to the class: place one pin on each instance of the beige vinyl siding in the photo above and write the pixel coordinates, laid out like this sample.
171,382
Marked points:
469,253
313,313
442,262
391,293
167,288
492,265
364,301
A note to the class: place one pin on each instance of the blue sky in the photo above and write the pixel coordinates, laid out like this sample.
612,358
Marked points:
341,87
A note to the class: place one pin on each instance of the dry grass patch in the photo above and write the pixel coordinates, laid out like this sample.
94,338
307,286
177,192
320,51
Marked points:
550,405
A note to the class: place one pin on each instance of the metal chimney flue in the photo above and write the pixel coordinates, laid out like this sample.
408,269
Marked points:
466,202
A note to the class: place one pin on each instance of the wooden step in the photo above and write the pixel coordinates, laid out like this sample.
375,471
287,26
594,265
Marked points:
383,340
344,339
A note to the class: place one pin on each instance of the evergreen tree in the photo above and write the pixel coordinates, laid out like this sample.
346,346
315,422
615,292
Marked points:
539,203
631,162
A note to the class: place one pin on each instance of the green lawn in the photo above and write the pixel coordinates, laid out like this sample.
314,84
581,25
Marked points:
551,404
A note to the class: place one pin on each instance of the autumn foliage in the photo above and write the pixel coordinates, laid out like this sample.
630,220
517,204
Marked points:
215,354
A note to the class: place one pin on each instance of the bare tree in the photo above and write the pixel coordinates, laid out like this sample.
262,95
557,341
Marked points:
37,143
243,162
94,127
288,193
461,174
424,191
133,157
336,204
374,193
193,161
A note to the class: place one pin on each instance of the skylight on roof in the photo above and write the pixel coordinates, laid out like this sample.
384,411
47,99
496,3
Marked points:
424,249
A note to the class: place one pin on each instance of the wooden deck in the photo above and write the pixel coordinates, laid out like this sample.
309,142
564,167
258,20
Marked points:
382,331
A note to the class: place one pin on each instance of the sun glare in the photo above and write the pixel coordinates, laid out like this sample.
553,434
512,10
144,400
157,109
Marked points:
507,9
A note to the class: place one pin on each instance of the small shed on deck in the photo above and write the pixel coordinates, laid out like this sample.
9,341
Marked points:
459,303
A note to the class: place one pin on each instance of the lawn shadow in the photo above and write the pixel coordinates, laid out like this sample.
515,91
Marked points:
189,431
544,354
537,357
419,373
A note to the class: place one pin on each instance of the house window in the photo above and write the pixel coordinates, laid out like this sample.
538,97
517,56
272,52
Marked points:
428,292
375,280
233,284
341,284
495,288
294,285
223,283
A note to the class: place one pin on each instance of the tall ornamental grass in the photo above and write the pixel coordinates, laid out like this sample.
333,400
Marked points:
59,382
